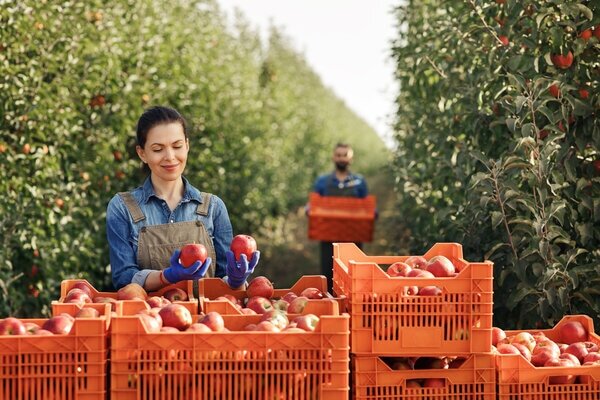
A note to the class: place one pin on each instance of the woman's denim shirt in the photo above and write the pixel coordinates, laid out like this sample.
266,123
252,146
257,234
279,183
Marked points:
123,233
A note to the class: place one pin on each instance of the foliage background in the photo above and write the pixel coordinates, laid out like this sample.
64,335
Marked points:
488,157
74,78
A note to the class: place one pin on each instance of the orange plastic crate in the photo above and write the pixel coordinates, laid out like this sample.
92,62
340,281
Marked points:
187,286
518,379
58,367
234,365
385,321
341,219
475,379
211,288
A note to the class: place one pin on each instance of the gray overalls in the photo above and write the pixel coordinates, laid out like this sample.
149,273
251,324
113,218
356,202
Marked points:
156,243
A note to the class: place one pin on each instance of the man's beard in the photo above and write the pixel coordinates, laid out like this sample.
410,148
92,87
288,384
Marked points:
341,166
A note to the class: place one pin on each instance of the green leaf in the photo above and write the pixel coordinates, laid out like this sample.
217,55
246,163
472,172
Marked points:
528,130
496,219
585,11
511,124
519,103
494,248
516,296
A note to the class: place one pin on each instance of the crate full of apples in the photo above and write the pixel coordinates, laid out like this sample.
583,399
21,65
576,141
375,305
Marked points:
229,356
80,291
63,357
471,376
554,364
307,295
433,304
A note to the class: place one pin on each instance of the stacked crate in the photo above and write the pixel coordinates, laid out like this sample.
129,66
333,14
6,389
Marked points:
388,325
518,379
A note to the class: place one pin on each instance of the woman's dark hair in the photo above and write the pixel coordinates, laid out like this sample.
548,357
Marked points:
154,116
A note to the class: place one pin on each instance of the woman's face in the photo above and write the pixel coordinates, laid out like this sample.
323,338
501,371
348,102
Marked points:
165,151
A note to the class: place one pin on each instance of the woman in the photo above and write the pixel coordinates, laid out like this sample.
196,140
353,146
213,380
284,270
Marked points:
147,226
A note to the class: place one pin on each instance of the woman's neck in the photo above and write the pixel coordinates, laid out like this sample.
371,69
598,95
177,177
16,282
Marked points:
170,191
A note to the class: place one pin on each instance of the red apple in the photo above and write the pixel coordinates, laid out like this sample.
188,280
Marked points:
413,383
31,327
248,311
307,322
260,286
554,90
416,261
87,312
525,338
434,383
289,296
198,327
560,379
266,326
430,291
297,305
101,299
175,294
259,304
572,332
293,329
419,273
592,356
410,290
77,296
281,305
177,316
544,351
250,327
12,326
132,291
507,348
82,286
43,332
190,253
157,301
569,356
169,329
398,269
497,335
151,320
312,293
227,298
276,317
456,362
243,244
213,320
581,349
524,350
59,324
440,267
562,61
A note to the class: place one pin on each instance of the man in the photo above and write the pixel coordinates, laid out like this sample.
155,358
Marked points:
342,183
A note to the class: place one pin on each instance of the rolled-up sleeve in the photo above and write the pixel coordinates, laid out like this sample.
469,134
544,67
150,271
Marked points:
123,261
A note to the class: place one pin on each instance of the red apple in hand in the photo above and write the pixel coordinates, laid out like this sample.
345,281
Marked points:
190,253
572,332
260,286
176,315
243,244
12,326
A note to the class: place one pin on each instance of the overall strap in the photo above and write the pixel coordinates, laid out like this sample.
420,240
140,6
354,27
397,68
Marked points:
203,207
133,207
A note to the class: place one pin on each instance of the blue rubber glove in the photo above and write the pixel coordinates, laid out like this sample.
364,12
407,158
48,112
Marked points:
238,272
177,272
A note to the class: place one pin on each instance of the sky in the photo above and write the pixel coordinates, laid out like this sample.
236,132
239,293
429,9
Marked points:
346,42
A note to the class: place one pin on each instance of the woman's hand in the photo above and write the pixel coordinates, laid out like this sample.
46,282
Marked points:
238,272
177,272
